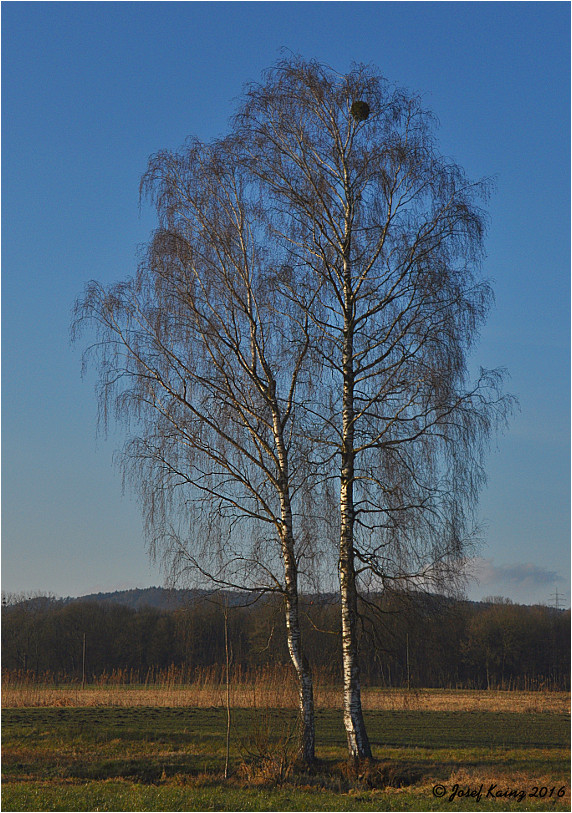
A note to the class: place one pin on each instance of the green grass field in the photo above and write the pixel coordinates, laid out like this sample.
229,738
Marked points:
150,758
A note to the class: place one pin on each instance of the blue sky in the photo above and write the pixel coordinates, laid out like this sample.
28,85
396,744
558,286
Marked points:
91,90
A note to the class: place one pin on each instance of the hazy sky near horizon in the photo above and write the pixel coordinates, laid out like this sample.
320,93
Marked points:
91,90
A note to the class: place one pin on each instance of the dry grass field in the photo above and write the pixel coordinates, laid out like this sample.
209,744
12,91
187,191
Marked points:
276,693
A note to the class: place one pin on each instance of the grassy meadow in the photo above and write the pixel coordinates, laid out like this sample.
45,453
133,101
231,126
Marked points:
163,748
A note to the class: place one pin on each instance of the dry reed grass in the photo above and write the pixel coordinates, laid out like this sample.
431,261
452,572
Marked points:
278,691
465,700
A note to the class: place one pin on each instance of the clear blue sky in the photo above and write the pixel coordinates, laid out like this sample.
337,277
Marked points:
90,90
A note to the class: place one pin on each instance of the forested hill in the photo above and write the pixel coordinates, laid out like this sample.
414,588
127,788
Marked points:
163,598
159,597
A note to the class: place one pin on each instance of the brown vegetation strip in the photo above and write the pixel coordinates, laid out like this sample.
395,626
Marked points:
273,696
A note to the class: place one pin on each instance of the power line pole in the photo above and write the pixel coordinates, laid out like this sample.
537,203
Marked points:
556,598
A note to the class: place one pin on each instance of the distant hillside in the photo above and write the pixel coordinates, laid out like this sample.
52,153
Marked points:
158,597
161,598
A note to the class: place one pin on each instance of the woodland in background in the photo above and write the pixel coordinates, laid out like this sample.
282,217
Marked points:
415,640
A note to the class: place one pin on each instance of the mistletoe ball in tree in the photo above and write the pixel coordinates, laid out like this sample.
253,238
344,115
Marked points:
360,110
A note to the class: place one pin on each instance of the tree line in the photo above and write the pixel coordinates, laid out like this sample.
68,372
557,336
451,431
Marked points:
290,360
404,641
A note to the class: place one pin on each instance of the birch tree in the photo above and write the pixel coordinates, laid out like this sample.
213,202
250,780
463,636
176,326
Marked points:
202,355
388,234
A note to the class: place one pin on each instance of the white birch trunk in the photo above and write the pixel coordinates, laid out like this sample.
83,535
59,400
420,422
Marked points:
302,667
293,632
358,742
